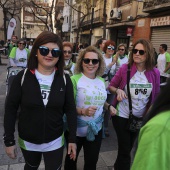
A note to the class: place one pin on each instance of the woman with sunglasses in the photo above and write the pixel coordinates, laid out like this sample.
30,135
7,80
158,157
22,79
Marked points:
19,55
90,96
69,65
110,61
121,55
44,96
144,88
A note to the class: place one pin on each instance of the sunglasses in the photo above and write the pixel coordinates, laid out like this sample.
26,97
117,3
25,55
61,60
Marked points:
21,43
120,49
87,61
141,52
44,51
65,52
110,47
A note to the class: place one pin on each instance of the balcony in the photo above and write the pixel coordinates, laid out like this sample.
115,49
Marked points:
152,6
97,19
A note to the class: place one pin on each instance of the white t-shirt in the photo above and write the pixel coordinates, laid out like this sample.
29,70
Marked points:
140,90
161,65
21,58
89,92
45,82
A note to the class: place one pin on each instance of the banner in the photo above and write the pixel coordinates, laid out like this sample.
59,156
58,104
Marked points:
11,27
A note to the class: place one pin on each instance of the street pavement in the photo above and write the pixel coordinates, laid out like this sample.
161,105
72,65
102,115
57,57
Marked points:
108,149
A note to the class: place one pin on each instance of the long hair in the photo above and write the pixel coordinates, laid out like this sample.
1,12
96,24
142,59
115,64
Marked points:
44,38
149,51
79,68
162,103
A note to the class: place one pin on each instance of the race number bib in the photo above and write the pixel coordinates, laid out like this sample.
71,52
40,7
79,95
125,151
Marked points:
45,91
140,91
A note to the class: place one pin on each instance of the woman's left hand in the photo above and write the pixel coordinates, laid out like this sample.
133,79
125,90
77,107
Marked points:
112,110
72,150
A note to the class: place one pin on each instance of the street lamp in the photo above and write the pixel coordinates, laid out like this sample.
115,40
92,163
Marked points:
91,25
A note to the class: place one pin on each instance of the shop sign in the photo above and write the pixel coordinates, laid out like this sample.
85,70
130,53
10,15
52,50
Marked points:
161,21
129,31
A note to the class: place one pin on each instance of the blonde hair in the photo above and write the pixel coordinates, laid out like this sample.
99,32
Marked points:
78,67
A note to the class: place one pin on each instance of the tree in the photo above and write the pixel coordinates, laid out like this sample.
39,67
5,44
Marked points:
10,8
82,13
44,13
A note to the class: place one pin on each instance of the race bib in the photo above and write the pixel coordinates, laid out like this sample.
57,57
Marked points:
45,91
140,91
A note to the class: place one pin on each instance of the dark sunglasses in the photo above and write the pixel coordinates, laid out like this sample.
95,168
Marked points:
21,43
141,52
87,61
110,47
65,52
120,49
45,51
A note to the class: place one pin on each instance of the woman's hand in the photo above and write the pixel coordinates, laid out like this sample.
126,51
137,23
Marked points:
120,95
90,111
11,151
72,150
112,111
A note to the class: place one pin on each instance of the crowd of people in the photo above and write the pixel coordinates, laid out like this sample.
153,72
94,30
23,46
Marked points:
62,100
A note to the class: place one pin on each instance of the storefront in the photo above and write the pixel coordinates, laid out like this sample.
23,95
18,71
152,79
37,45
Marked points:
160,32
120,32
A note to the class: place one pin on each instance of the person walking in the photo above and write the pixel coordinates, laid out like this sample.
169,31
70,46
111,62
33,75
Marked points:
143,86
12,44
110,62
100,44
121,56
19,55
163,63
90,96
69,65
44,94
153,141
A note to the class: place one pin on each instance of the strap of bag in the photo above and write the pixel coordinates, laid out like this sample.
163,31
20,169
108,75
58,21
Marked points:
23,76
128,90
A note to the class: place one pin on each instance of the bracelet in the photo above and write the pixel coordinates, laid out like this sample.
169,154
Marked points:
109,107
116,90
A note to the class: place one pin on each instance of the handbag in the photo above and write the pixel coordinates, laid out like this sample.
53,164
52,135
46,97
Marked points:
134,123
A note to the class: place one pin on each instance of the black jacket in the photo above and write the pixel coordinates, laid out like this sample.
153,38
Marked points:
39,124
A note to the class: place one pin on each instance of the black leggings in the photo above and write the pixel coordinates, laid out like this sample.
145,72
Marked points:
91,152
125,143
52,159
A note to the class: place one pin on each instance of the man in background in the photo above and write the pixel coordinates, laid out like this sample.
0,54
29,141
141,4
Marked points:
163,63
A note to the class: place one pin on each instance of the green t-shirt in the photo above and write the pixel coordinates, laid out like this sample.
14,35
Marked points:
153,151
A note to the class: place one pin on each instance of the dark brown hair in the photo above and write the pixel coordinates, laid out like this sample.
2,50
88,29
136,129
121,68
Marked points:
44,38
149,51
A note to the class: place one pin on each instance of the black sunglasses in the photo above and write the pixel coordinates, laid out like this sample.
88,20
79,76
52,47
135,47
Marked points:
45,51
65,52
87,61
110,47
141,52
21,43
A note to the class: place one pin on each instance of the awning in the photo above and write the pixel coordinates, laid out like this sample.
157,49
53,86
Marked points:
121,24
